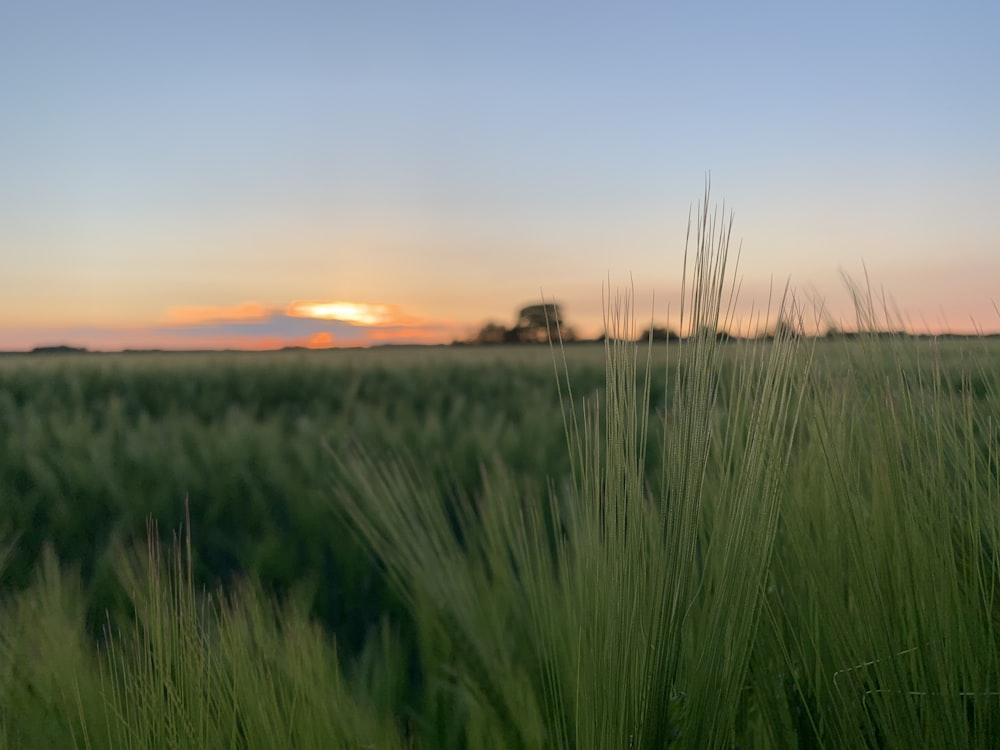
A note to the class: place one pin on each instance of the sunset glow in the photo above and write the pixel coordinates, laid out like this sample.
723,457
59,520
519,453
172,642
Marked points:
321,340
384,175
183,316
348,312
414,335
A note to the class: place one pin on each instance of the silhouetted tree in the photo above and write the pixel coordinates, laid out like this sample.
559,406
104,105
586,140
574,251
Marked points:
535,322
60,349
710,333
658,334
533,325
787,328
492,333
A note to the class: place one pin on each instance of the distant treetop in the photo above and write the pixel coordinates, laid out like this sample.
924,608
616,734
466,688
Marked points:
535,324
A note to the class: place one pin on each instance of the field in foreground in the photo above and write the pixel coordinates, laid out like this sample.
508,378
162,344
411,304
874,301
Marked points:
415,548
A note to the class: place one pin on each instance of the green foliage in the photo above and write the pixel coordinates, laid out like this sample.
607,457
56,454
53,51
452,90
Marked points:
193,671
92,446
199,671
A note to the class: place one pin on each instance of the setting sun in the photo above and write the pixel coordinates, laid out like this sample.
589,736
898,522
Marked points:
347,312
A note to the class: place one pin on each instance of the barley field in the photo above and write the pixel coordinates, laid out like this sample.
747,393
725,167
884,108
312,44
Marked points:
739,544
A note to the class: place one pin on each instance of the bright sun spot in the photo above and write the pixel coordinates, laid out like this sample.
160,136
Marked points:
348,312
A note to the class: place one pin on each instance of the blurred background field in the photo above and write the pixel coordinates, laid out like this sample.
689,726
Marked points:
93,445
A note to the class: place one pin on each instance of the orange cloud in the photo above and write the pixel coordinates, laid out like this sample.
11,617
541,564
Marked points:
195,315
252,326
358,313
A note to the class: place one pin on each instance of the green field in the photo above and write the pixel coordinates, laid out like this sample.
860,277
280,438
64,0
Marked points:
706,544
833,549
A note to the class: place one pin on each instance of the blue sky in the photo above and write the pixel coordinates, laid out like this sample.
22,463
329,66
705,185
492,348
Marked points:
453,159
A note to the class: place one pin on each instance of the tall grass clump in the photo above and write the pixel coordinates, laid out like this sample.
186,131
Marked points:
886,578
193,670
225,670
48,672
620,609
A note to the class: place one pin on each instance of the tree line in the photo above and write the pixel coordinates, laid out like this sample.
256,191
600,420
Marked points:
538,323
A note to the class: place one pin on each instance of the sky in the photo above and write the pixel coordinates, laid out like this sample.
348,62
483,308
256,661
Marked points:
263,174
